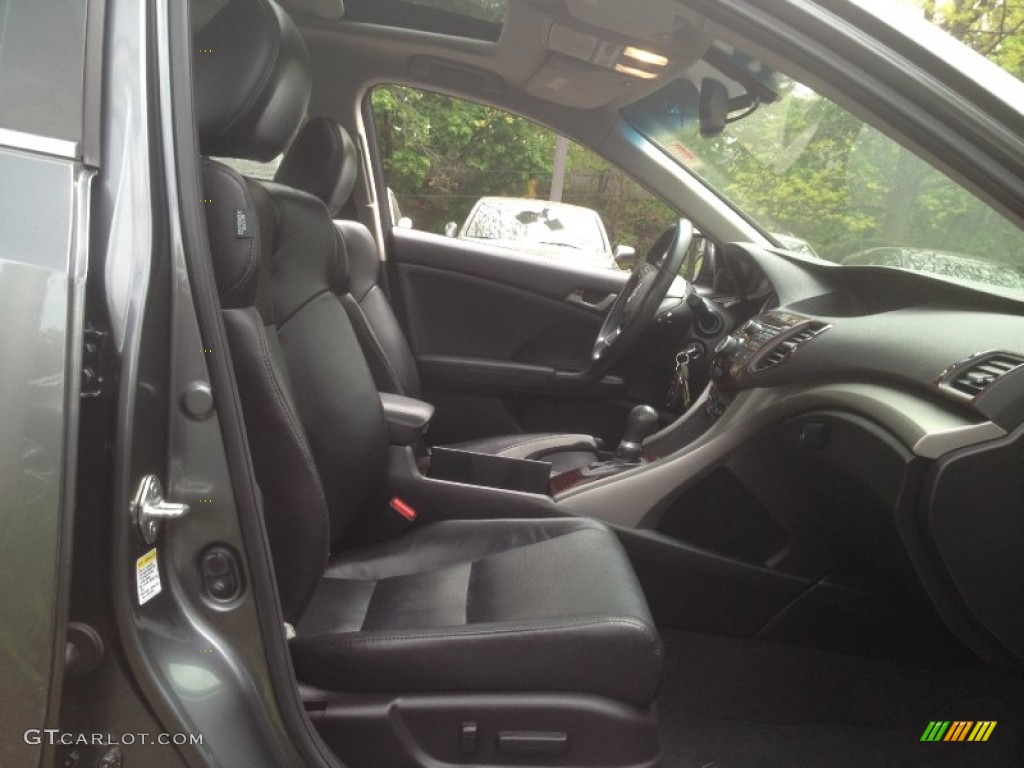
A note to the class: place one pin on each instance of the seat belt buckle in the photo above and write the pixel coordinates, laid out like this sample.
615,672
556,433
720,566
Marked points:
403,509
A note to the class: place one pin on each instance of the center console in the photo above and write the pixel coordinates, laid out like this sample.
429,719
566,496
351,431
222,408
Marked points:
525,487
761,343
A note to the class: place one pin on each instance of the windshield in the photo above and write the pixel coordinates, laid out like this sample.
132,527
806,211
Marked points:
822,182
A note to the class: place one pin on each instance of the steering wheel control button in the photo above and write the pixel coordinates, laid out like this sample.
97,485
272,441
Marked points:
221,573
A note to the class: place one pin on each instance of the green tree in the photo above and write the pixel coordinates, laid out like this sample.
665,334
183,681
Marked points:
806,167
441,154
993,28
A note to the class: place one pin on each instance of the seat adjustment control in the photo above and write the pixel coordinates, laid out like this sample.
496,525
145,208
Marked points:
469,739
533,742
221,573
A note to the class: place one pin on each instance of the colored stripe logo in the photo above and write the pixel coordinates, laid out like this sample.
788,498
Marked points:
958,730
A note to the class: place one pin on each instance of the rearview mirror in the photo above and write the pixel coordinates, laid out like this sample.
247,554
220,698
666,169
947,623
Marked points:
714,107
451,229
625,257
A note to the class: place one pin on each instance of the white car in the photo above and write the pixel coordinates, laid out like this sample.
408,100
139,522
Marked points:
542,228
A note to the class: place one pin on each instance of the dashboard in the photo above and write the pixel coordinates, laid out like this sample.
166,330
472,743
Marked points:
943,342
874,417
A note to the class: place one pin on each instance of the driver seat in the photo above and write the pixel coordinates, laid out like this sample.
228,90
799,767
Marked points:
324,162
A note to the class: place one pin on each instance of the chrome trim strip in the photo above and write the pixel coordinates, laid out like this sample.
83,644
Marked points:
939,443
44,145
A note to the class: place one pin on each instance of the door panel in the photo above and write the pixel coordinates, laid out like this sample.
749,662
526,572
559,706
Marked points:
468,300
498,335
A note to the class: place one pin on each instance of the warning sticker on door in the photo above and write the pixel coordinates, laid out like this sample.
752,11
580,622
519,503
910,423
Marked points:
147,576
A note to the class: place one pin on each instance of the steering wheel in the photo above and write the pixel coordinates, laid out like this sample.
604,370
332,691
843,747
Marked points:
638,302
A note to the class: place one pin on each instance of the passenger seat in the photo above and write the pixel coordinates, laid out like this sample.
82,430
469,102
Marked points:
324,161
510,626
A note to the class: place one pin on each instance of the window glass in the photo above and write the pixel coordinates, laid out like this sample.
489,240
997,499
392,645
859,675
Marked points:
484,175
821,181
478,19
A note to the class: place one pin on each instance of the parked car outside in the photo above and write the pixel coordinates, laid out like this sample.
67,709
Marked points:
542,228
947,263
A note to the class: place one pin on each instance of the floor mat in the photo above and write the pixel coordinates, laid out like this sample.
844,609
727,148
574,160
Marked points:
732,703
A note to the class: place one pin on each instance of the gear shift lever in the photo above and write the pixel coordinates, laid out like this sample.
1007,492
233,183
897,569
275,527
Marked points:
641,423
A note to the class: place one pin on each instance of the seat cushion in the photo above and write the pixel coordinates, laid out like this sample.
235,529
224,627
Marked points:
495,605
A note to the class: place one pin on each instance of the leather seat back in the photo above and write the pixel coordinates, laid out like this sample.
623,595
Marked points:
316,428
324,161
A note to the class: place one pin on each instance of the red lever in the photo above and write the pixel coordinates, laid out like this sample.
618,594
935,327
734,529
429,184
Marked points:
403,509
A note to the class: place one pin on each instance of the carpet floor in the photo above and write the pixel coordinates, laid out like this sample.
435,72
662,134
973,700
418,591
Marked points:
734,703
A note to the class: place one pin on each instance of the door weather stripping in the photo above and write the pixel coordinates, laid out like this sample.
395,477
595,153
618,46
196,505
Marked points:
149,508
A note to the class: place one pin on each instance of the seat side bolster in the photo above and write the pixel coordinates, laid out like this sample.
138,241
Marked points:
293,498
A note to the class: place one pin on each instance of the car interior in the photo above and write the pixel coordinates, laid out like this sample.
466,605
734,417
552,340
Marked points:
524,512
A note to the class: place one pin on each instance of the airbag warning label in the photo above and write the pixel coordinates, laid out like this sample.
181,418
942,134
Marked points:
147,576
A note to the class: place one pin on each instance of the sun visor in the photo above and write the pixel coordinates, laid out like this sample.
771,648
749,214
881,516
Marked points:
578,84
645,19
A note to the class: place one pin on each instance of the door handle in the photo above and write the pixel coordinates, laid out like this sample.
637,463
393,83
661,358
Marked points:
578,298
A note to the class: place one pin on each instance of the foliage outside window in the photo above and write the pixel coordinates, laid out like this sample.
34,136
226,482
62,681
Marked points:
821,180
441,155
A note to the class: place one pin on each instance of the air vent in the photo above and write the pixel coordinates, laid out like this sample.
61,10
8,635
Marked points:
973,376
782,350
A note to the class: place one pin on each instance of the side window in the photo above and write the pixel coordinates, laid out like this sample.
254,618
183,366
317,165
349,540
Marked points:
460,169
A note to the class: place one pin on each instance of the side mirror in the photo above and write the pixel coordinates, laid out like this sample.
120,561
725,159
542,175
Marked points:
404,223
625,257
451,229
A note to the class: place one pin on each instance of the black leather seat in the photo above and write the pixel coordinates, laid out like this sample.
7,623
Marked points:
455,606
323,160
494,605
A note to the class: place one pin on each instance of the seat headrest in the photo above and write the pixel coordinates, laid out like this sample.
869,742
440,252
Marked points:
252,81
322,161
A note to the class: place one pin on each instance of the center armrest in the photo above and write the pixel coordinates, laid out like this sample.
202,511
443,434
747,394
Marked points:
406,417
